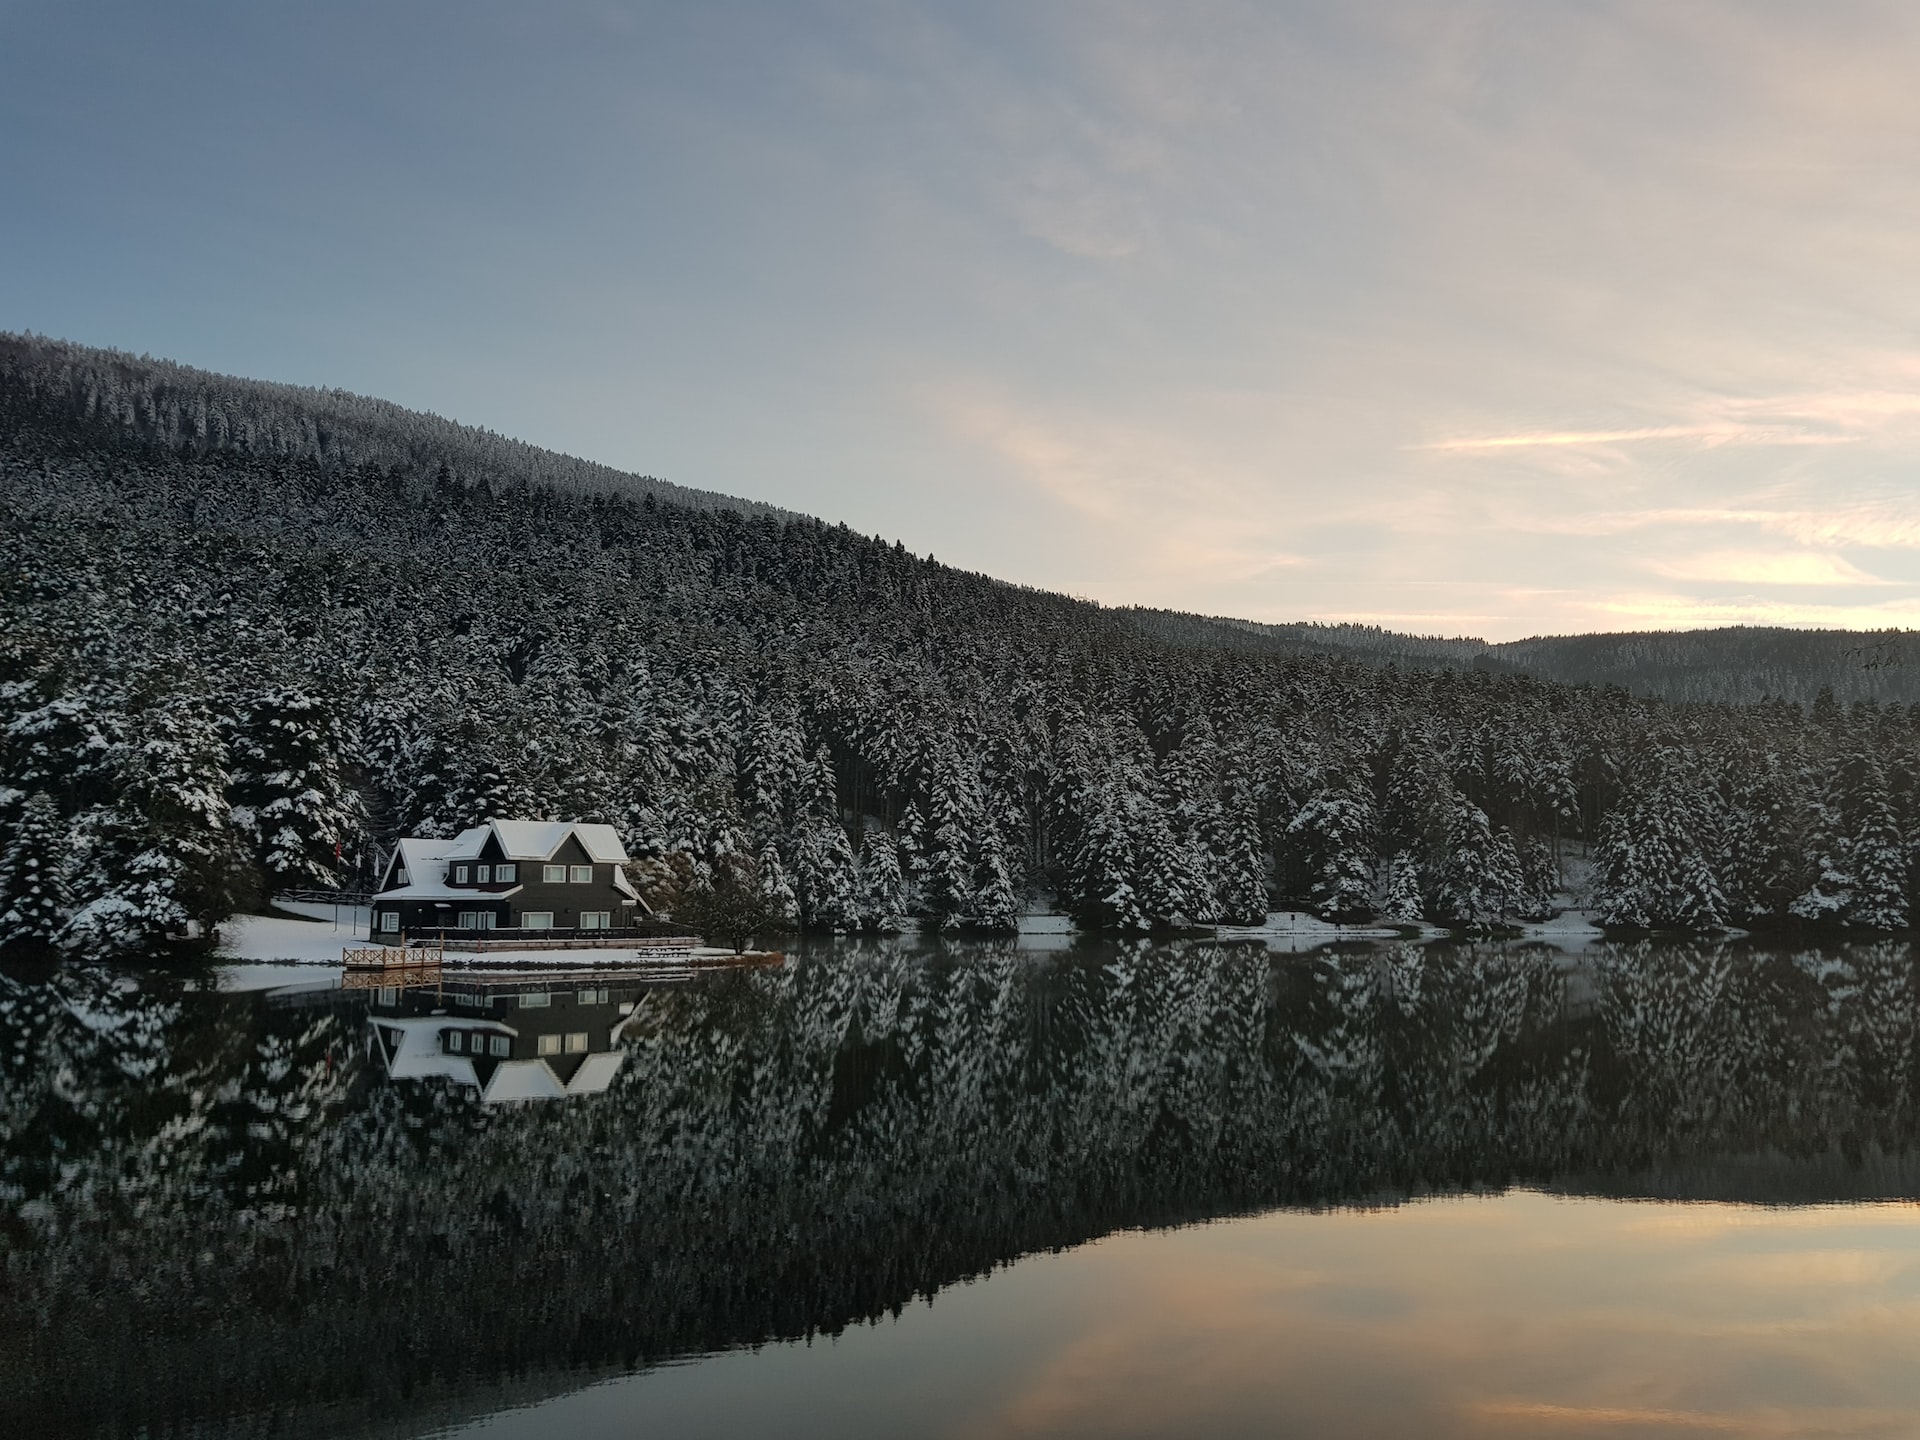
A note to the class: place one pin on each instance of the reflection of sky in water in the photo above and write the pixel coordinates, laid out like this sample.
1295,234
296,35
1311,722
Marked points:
1521,1315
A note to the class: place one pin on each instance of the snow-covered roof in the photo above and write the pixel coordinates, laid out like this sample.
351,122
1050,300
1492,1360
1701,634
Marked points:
531,841
539,839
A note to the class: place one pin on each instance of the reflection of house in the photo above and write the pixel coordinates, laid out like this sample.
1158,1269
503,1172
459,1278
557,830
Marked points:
525,1038
525,875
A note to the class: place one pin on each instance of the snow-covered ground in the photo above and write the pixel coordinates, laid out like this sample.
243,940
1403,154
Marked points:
313,941
327,930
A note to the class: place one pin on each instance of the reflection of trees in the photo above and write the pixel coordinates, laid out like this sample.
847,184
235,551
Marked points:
216,1205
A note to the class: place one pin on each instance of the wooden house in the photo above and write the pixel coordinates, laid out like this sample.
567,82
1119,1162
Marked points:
530,877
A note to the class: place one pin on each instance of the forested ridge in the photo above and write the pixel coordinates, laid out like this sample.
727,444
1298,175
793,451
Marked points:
255,632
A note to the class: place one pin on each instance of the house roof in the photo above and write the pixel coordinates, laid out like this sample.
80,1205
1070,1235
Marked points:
531,841
540,839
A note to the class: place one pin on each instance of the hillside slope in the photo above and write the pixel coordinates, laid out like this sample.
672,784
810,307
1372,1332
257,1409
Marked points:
232,666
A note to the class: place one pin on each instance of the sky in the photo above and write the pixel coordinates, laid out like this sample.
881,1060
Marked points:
1476,318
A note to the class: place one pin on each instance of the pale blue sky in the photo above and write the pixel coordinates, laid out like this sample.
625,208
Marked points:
1500,318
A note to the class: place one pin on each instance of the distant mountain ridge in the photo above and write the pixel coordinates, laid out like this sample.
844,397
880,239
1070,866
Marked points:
200,412
1737,664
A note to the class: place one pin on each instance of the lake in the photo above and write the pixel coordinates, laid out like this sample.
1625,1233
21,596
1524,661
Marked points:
974,1190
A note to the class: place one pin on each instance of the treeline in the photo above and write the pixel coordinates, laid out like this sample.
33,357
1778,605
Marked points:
217,1216
1738,664
228,669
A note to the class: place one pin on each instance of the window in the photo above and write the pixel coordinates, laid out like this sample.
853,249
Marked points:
538,1000
594,919
389,920
459,874
593,997
549,1045
554,874
580,874
453,1041
505,873
469,919
483,874
500,1045
577,1043
390,995
536,919
400,876
488,920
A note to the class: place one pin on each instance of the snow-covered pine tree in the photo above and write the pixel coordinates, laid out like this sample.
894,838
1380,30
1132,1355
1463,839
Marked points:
993,905
33,881
289,788
1334,830
164,854
947,862
1400,900
1242,864
776,892
824,877
883,898
1656,849
1762,851
1471,890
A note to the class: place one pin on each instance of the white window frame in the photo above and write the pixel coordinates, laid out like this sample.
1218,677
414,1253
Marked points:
460,875
501,1046
454,1044
536,1000
553,874
596,919
389,921
547,1045
536,919
505,874
580,874
577,1042
483,874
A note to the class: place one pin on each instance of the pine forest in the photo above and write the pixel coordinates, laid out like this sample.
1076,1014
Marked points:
253,633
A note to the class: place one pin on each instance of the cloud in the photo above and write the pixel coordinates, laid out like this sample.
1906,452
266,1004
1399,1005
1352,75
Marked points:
1706,434
1752,567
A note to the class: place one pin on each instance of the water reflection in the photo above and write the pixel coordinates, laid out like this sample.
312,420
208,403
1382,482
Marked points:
233,1212
543,1036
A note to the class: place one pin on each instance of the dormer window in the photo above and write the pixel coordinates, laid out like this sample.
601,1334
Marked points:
506,873
483,874
400,876
460,874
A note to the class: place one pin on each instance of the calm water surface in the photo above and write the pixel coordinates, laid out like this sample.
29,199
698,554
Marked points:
972,1191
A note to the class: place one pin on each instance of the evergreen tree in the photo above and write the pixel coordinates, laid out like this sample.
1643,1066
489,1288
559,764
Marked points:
290,790
1401,903
164,854
824,876
1243,865
1473,886
883,898
33,888
1334,830
774,889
